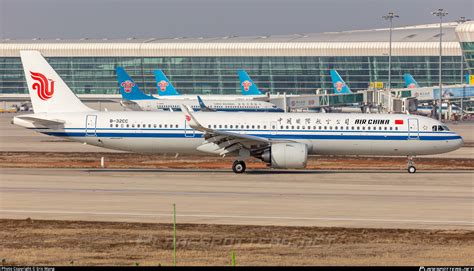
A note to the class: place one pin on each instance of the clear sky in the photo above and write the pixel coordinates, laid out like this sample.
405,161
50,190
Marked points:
26,19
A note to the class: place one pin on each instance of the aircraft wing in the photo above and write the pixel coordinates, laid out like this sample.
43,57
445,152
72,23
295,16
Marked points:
224,142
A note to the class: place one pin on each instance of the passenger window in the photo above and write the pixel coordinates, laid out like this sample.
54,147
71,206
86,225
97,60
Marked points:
154,126
330,127
127,125
319,127
298,127
248,127
435,128
253,126
368,128
160,126
335,127
363,127
231,126
258,126
391,128
166,125
138,125
352,128
111,125
225,126
385,128
133,125
325,127
176,126
292,127
149,125
220,126
396,128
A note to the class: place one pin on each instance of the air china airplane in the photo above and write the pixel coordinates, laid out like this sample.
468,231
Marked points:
282,140
135,99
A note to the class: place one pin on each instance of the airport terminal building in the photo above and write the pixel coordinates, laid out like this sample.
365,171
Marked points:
298,63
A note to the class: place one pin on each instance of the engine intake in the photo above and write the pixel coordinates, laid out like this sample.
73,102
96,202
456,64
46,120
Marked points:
286,155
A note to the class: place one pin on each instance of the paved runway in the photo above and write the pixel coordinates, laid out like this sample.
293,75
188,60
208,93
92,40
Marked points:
393,199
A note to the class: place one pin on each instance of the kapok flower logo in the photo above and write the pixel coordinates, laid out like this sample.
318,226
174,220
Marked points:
246,84
127,86
339,85
162,85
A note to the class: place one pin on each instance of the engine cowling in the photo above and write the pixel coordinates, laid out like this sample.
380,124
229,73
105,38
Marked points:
286,155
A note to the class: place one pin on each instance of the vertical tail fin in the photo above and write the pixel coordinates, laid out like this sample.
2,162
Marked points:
203,105
48,92
247,85
410,82
339,86
128,88
165,88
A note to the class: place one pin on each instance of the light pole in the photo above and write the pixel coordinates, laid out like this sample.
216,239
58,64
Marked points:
440,13
462,20
390,17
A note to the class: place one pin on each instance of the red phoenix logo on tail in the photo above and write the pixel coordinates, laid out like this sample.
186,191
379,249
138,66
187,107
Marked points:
127,86
43,85
246,84
162,85
188,118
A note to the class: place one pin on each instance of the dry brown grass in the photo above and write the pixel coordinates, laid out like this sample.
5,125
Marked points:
39,242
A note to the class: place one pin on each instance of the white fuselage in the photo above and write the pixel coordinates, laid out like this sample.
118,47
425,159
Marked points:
330,134
216,105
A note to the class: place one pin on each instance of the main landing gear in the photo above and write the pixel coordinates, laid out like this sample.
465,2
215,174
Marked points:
411,165
239,166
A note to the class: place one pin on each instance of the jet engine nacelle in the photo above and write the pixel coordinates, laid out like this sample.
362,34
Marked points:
286,155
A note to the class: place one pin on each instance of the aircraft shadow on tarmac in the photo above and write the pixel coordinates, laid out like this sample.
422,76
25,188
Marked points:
270,171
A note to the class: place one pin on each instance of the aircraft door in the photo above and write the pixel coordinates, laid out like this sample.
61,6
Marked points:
413,129
91,122
188,131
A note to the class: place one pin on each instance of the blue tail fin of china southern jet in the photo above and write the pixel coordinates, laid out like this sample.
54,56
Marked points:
165,88
410,82
340,87
247,85
128,88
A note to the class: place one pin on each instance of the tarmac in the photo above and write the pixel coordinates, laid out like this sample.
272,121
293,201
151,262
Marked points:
371,199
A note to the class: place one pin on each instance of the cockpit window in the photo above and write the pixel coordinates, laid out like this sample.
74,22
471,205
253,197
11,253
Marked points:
440,128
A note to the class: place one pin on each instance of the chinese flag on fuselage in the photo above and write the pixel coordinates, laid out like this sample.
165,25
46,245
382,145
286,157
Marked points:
398,121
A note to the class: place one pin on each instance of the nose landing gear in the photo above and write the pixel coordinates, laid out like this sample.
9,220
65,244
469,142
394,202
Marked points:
239,166
411,165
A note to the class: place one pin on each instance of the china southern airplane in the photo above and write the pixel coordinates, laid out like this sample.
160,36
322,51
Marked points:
134,99
166,90
339,86
282,140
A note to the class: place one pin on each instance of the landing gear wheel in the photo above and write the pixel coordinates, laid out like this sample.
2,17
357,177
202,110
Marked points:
239,166
411,165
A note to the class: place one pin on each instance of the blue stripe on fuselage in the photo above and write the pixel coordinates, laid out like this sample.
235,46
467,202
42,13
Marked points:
270,136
